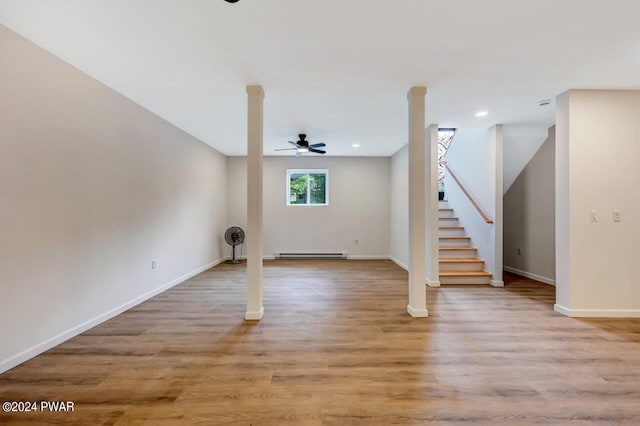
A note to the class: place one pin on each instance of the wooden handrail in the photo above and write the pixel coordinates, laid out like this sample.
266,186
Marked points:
482,213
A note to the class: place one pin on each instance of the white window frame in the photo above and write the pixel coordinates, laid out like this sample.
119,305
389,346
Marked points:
307,171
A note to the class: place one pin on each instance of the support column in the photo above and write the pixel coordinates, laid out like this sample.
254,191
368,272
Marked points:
433,245
496,135
255,130
417,201
565,294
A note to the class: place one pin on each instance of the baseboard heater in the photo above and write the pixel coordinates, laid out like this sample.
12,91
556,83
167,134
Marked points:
304,255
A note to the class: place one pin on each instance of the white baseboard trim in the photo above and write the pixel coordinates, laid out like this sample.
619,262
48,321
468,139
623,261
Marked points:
39,348
349,257
526,274
562,310
433,283
417,313
597,313
367,257
254,315
496,283
406,268
244,257
400,264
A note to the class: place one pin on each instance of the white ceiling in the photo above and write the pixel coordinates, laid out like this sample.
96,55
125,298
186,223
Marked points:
339,70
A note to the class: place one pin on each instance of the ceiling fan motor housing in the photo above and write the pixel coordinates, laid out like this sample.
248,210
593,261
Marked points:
303,145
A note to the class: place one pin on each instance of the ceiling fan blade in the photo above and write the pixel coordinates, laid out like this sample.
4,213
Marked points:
285,149
317,145
317,151
294,143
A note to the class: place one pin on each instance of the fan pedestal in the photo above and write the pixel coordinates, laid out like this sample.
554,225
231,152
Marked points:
233,260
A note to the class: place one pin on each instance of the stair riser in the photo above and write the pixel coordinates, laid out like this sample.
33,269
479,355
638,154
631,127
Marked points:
465,280
443,205
451,232
446,254
445,213
454,242
462,266
448,222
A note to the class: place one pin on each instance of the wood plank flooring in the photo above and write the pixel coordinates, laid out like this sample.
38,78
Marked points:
336,347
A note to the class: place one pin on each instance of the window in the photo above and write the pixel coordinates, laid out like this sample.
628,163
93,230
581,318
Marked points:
445,136
307,187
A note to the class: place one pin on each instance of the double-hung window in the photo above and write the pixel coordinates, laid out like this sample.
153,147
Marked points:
307,187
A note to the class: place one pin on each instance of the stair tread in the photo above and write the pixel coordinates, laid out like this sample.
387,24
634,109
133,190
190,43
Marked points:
453,248
461,260
454,237
451,227
447,209
465,274
447,218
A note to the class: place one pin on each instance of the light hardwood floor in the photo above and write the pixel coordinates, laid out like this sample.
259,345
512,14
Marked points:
336,347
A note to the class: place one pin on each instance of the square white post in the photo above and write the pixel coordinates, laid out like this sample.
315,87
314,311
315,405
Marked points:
255,130
417,198
497,139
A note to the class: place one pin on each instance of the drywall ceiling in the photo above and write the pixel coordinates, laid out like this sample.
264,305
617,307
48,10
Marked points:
339,70
520,145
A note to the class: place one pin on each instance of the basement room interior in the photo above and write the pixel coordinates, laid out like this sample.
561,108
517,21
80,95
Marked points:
319,213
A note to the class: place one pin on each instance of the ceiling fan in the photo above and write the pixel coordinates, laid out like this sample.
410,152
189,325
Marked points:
303,146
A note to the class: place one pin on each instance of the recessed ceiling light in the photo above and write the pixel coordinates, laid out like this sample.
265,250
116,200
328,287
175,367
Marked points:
482,114
356,145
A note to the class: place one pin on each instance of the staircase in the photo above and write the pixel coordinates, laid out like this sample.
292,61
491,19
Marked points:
459,263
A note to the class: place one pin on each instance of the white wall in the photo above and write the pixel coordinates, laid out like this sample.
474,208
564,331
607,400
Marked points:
597,152
520,145
399,239
92,188
529,217
475,156
359,198
563,273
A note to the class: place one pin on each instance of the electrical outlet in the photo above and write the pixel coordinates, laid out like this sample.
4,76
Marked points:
617,216
594,215
154,263
356,242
